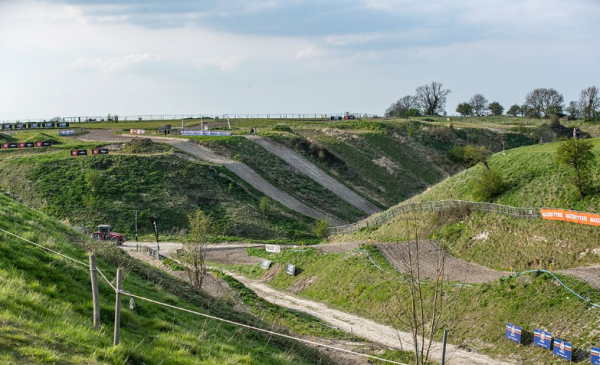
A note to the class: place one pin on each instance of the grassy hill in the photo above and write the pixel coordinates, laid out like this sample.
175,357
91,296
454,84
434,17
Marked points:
46,308
155,181
534,179
350,282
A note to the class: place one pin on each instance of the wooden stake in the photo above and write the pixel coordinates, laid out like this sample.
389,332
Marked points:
95,299
118,305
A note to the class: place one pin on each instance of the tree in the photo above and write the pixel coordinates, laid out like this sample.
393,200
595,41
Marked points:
194,257
464,109
264,206
589,102
404,107
514,110
479,104
573,110
422,303
432,98
577,153
496,108
320,228
544,102
477,154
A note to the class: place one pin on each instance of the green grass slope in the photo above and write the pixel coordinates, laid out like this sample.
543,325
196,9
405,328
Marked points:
282,175
389,161
45,308
97,189
533,177
349,281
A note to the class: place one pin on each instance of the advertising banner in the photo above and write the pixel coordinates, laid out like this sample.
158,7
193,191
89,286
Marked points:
273,248
570,216
265,264
595,356
7,126
513,332
13,145
19,126
137,131
46,143
4,145
79,153
290,269
48,125
34,125
62,125
562,349
542,338
29,144
205,133
66,133
21,144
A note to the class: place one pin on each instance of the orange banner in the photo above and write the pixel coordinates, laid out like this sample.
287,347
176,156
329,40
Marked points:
570,216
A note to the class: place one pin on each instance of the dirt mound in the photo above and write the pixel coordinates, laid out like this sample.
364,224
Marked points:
454,268
271,273
145,145
302,284
6,138
43,137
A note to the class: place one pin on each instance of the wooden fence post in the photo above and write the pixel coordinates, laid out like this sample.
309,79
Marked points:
118,305
95,299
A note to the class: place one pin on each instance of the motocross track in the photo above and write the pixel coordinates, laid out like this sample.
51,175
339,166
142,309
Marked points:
311,170
238,168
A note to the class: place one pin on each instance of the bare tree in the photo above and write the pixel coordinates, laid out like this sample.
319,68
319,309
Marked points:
427,310
479,104
432,98
573,110
589,102
544,102
402,107
194,257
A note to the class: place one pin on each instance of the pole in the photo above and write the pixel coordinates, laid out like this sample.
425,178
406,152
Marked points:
136,233
444,347
95,299
118,305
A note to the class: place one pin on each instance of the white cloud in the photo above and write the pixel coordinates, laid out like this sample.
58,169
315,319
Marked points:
115,64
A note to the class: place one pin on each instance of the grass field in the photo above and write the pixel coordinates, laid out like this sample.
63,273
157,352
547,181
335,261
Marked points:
46,308
350,282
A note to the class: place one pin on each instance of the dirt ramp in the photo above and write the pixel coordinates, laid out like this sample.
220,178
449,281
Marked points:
455,269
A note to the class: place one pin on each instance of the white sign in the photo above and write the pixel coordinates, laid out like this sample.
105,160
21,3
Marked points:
290,269
273,248
265,264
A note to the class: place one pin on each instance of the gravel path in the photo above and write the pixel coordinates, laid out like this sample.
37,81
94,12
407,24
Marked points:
362,327
311,170
590,274
454,268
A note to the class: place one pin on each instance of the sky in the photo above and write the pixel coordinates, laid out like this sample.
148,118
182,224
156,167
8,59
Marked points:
71,57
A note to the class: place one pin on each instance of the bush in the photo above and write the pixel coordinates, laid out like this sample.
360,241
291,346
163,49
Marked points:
488,186
457,154
320,228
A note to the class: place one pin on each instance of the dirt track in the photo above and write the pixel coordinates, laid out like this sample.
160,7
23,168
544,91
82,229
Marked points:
361,326
238,168
429,253
311,170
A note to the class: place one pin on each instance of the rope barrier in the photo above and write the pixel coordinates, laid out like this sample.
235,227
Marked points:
207,315
258,329
46,248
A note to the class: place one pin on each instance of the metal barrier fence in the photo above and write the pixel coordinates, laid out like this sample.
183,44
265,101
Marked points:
384,217
179,117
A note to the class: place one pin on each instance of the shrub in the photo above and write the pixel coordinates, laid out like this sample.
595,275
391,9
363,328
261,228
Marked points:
320,228
488,186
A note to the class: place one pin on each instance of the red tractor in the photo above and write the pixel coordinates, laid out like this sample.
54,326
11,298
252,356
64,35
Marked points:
104,234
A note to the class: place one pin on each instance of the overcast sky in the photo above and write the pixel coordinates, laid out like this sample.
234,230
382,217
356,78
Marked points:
68,58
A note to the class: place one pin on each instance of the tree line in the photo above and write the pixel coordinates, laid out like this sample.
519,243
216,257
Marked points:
431,99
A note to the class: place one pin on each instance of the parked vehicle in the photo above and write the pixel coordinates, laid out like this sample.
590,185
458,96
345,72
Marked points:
104,233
